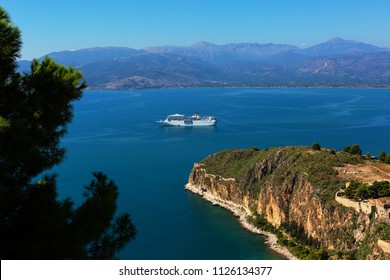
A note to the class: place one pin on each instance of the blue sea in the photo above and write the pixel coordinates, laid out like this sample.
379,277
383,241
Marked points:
116,132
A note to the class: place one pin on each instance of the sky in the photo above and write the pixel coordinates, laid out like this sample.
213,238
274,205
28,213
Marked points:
57,25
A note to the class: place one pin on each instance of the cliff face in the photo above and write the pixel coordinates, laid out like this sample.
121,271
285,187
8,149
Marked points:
288,186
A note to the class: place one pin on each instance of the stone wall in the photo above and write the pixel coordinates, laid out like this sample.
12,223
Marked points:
365,207
382,213
384,245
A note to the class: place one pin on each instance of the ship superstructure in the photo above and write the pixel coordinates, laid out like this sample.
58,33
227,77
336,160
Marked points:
182,120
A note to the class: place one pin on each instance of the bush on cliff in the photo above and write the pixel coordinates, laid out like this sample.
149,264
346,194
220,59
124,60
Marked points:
360,191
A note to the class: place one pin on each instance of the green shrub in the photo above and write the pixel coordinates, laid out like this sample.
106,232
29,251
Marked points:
360,191
316,146
353,150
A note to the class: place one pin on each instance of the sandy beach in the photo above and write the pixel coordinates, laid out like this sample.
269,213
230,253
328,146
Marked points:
242,215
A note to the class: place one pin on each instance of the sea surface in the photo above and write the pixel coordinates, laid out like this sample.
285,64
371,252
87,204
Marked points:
116,132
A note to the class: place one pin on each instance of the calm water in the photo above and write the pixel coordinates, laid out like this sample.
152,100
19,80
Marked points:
116,132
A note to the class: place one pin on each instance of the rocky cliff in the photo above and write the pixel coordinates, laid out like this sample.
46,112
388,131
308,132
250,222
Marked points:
294,189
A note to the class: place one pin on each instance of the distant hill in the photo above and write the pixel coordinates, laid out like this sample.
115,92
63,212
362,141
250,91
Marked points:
226,53
24,65
336,62
91,55
339,46
148,70
356,66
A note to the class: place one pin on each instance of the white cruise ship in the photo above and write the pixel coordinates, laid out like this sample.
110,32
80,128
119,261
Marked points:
182,120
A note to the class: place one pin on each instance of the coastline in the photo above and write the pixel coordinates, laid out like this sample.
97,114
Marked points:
242,214
240,87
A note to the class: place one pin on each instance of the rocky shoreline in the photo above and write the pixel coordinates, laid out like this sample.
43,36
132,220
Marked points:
242,214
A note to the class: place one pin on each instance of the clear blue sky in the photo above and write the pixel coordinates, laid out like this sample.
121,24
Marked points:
56,25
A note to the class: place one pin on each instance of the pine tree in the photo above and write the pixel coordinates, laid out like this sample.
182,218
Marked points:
382,156
35,110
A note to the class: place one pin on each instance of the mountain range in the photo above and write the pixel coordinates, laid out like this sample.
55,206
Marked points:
335,63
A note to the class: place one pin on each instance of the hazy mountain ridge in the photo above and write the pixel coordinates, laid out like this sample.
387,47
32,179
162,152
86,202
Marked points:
225,53
150,70
90,55
336,62
337,46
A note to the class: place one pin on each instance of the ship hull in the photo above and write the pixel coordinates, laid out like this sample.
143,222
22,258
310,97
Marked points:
182,120
193,123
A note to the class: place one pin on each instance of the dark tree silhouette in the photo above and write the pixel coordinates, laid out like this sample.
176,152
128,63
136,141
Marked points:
35,110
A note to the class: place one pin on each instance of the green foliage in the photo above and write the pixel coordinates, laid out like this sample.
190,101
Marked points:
305,253
368,156
361,191
281,166
383,231
35,110
57,230
375,231
4,125
299,234
301,245
94,220
260,222
347,149
353,150
10,44
232,163
380,189
38,111
384,157
316,147
350,191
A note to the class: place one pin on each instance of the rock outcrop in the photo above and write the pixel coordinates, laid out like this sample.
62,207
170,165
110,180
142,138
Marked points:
291,186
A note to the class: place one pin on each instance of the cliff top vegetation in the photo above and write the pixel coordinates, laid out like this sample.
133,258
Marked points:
322,167
291,185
